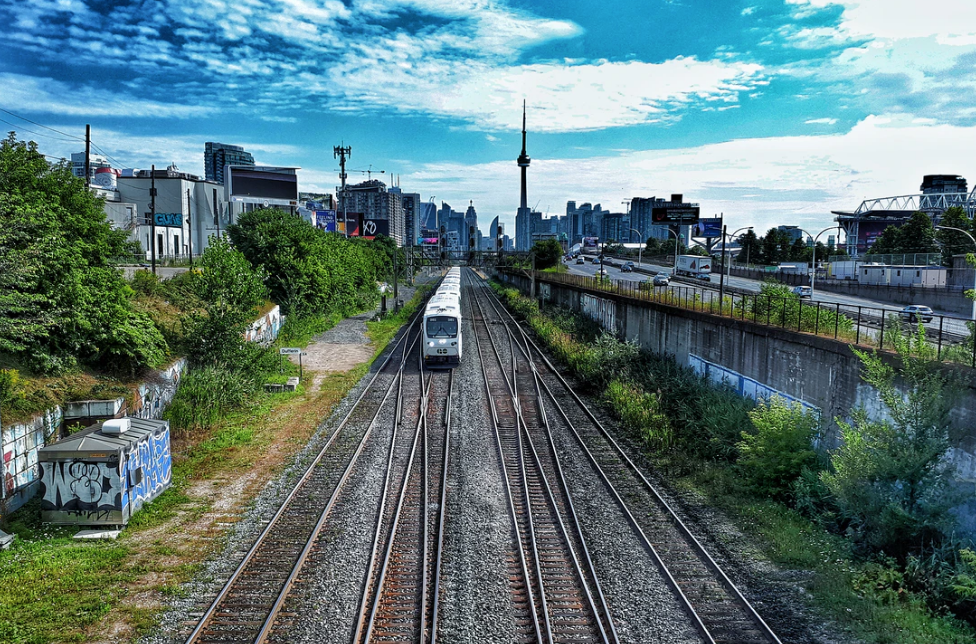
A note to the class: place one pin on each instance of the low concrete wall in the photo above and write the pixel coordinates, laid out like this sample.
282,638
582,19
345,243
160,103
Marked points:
820,372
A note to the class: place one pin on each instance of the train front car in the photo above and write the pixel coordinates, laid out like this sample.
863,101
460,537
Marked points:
442,334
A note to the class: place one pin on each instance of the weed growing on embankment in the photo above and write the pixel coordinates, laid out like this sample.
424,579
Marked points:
756,464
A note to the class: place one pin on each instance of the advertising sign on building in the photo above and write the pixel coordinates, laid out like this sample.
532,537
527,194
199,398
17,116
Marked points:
326,220
374,227
590,242
675,211
708,228
350,223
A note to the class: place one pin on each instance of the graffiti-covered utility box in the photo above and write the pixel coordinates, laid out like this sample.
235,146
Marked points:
103,474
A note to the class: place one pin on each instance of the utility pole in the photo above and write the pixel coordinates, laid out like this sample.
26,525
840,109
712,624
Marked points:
189,225
721,276
396,302
87,155
341,152
152,215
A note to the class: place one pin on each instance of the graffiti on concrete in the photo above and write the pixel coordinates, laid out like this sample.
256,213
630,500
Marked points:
148,468
82,486
19,445
265,329
154,396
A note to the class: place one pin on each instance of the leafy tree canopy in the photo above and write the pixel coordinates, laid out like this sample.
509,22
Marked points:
62,302
547,253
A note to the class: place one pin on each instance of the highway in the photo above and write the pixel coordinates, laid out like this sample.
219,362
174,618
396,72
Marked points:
954,326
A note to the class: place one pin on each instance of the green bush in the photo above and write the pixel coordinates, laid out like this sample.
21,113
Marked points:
773,457
890,477
206,394
640,411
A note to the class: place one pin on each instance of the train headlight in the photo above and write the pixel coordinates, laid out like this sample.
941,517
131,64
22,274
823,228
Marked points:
443,341
430,344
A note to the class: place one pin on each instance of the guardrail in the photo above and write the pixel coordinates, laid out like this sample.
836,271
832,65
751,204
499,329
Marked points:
951,338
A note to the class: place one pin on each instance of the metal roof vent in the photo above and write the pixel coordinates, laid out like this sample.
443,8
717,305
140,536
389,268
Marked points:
115,426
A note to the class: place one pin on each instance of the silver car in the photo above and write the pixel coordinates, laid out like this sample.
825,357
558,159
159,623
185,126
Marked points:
916,312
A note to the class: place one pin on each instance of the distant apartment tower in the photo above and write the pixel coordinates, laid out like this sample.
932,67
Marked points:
218,155
411,216
374,201
95,161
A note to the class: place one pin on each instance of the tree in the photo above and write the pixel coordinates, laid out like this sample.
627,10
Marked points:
890,477
232,292
772,247
547,253
751,248
780,449
309,271
799,251
954,242
62,300
917,235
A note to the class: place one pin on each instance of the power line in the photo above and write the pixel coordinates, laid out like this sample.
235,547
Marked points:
18,128
23,118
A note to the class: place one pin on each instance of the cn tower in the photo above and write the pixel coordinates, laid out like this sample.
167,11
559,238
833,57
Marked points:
522,217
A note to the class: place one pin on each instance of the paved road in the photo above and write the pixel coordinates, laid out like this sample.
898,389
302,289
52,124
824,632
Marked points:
162,271
954,325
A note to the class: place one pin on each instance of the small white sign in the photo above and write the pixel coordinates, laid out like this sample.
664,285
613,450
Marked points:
290,351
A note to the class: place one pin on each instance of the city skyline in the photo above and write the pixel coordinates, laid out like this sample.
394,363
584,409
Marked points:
769,112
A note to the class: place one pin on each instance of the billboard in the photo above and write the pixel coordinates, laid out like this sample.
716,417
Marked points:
350,223
326,220
431,241
169,219
673,212
708,228
590,242
374,227
262,184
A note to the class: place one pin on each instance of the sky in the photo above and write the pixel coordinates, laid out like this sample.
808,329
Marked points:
768,112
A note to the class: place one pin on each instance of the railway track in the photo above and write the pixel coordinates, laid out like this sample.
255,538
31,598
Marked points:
714,604
247,607
400,598
554,586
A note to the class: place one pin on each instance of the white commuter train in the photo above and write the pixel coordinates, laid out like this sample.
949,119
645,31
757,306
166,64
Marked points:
442,323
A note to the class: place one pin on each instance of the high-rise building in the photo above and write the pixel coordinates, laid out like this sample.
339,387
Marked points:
523,218
471,227
218,155
411,220
374,201
95,161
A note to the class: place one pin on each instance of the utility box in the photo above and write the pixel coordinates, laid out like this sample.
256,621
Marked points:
102,476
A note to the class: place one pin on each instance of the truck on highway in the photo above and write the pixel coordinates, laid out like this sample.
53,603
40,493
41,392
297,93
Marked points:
692,265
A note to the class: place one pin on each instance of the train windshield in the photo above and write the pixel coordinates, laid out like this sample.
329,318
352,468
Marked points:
442,326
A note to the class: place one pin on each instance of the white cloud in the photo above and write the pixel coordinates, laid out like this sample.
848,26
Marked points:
821,121
54,97
759,182
900,19
562,97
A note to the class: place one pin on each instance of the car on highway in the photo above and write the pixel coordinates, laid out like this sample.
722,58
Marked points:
627,268
661,279
596,260
706,277
916,312
580,260
803,291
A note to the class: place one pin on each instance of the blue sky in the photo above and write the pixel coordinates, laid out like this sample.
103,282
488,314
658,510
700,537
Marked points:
771,112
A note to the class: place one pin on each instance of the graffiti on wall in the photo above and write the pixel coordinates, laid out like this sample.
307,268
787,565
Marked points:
744,385
20,443
81,486
599,310
154,396
147,468
265,329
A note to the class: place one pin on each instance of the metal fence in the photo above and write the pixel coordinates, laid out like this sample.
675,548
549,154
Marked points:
951,338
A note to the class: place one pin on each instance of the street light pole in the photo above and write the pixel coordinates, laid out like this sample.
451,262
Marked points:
641,247
731,237
972,239
674,271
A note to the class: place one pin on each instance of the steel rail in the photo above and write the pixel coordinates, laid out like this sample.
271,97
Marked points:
207,616
602,621
529,581
397,514
670,514
380,520
442,511
608,627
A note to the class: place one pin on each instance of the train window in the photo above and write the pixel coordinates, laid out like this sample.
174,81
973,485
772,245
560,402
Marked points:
441,326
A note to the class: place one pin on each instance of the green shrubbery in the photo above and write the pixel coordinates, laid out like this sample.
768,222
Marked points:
62,301
781,447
